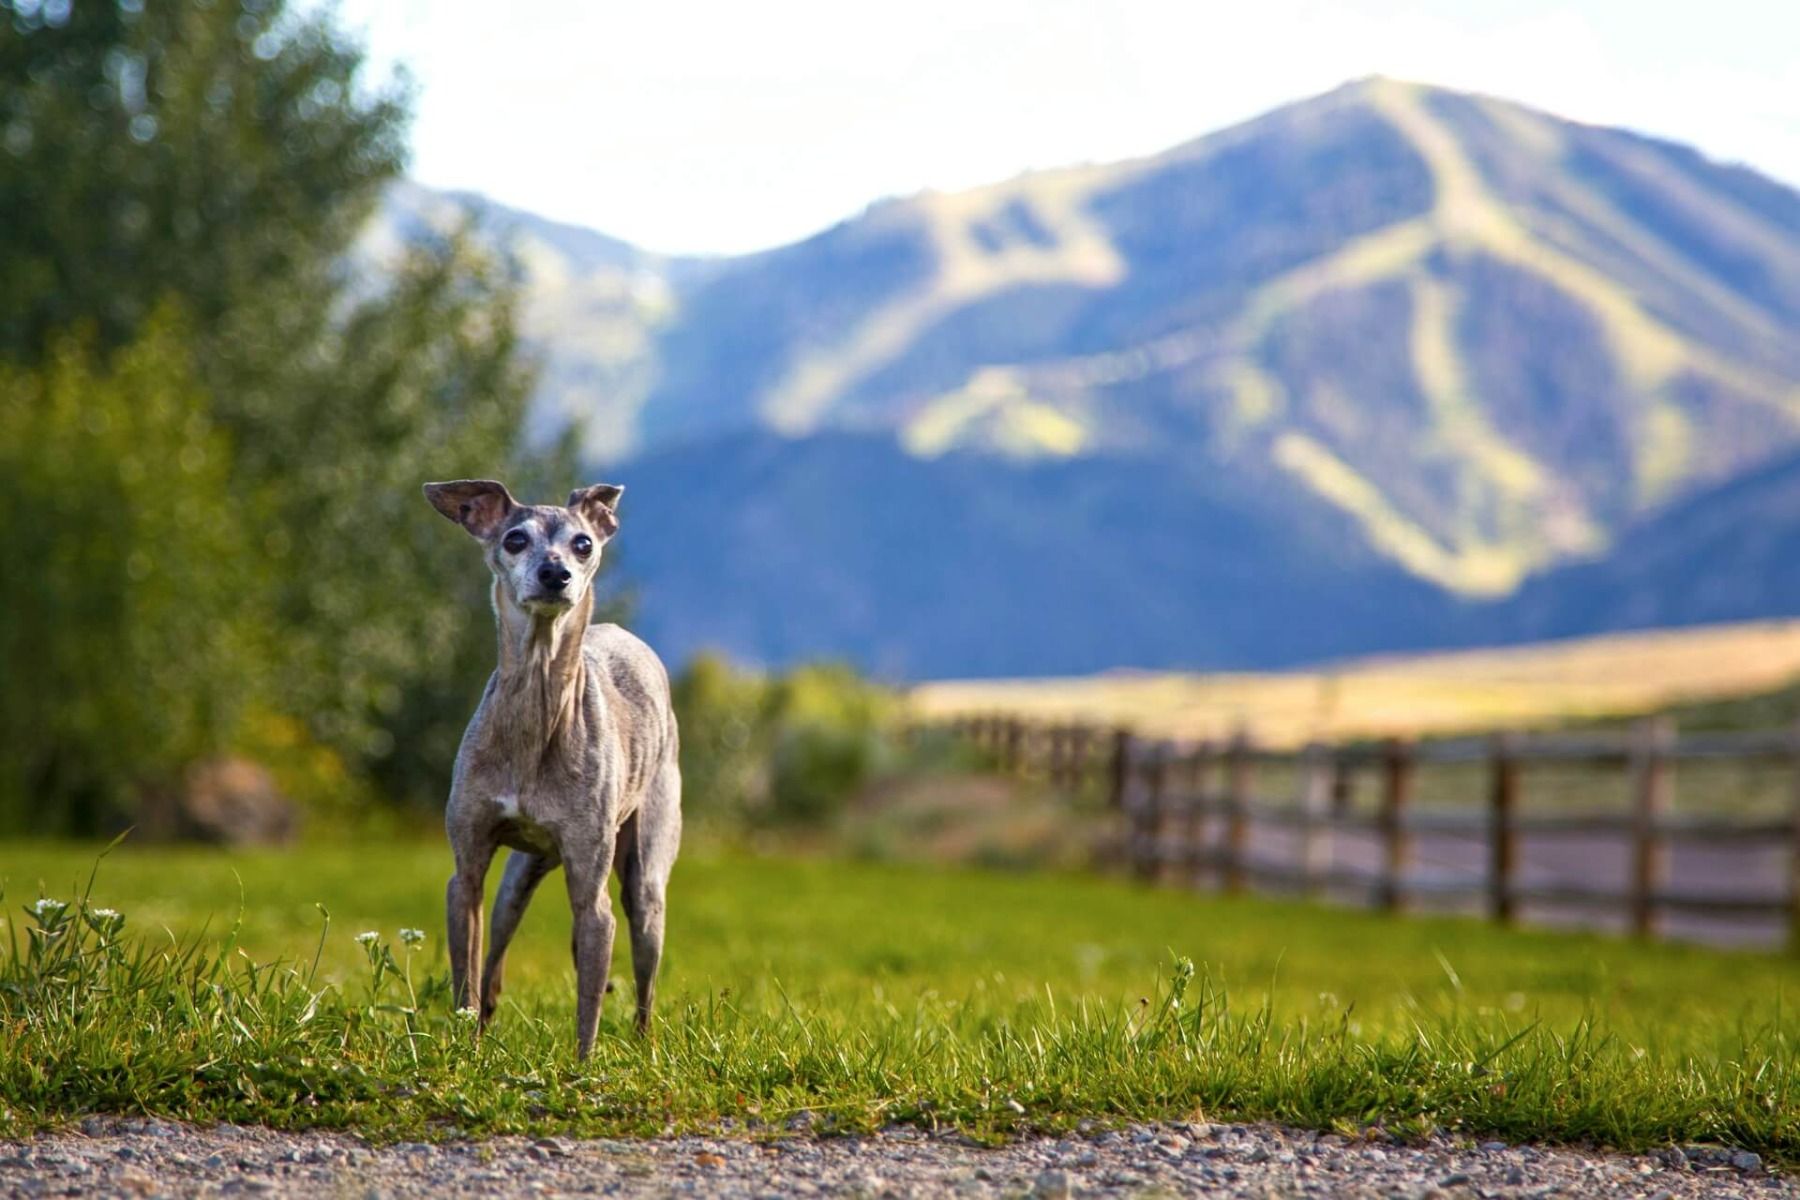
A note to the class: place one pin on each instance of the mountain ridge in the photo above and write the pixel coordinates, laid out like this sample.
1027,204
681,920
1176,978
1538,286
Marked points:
1478,341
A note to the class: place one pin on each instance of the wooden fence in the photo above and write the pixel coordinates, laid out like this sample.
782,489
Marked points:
1186,812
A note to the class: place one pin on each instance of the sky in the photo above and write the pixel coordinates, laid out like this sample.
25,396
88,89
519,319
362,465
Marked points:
694,126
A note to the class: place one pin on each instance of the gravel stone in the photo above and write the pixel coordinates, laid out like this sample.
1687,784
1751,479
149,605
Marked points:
108,1157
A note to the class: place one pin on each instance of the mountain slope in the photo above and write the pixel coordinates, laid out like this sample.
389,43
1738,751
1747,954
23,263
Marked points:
1380,349
1489,336
845,546
591,305
1728,554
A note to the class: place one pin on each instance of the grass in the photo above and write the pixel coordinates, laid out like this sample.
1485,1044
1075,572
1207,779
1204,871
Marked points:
1523,687
866,994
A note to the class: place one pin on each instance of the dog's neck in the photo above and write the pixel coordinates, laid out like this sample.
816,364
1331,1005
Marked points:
541,680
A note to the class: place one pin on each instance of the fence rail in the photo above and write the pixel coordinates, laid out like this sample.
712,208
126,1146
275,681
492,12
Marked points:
1187,812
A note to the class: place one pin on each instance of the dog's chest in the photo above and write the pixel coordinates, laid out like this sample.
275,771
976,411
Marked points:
515,827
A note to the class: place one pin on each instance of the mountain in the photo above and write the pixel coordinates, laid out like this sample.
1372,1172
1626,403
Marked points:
1392,344
845,545
591,305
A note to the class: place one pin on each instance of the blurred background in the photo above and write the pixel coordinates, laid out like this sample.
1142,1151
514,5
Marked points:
1313,373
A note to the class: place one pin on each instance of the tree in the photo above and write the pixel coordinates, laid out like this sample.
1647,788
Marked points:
210,152
391,630
217,160
135,616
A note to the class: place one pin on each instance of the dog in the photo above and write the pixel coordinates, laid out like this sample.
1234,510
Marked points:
571,758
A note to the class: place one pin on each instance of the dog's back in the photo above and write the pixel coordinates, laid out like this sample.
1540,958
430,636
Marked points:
636,687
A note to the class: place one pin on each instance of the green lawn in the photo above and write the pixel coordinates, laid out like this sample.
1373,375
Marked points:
872,993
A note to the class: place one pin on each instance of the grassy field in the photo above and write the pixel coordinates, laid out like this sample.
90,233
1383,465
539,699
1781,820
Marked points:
1547,684
867,994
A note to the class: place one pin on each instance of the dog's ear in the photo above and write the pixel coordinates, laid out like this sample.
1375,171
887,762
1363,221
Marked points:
478,505
598,506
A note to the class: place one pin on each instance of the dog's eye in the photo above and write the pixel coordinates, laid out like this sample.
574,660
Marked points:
584,545
516,541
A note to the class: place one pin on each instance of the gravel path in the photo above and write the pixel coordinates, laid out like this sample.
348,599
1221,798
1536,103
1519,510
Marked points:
128,1157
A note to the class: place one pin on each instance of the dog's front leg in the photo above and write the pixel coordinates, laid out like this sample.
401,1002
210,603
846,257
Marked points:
462,917
523,873
594,926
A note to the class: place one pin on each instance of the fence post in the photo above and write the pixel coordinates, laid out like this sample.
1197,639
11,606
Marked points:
1135,801
1651,786
1120,769
1013,756
1315,796
1343,785
1198,780
1237,810
1078,757
1161,806
1794,853
1396,791
1503,807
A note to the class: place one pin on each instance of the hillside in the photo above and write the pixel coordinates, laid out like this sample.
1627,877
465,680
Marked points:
1452,339
1728,554
591,306
1543,685
843,545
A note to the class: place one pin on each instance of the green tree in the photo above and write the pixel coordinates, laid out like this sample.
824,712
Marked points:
784,749
219,159
135,607
219,153
391,627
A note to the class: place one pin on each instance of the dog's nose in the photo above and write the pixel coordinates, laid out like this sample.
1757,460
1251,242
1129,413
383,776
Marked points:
554,576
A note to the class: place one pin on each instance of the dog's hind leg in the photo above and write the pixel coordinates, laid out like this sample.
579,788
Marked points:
523,873
647,846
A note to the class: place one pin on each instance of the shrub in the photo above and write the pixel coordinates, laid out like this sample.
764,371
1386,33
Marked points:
784,749
132,635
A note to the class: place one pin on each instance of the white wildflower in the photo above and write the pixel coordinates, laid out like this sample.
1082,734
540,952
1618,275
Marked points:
367,937
413,937
47,908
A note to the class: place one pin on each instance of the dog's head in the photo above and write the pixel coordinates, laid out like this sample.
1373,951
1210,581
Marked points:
545,556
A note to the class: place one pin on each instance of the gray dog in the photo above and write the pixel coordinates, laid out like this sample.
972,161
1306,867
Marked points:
570,758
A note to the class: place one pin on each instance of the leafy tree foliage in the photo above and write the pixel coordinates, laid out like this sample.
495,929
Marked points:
392,632
212,152
133,623
184,182
760,750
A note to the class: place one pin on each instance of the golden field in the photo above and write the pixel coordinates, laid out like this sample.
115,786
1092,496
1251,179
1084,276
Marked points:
1517,687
